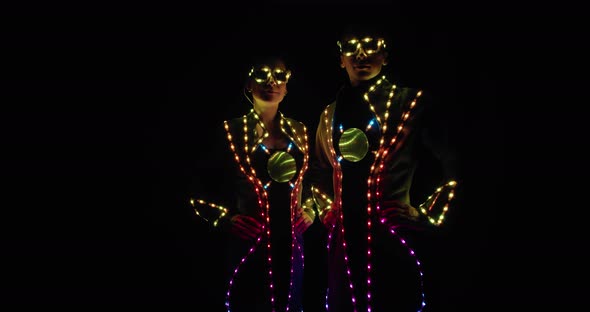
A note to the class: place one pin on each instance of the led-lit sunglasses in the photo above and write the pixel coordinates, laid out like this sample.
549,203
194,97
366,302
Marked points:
263,74
368,44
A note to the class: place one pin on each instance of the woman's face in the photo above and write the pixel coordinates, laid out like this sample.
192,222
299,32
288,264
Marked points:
268,81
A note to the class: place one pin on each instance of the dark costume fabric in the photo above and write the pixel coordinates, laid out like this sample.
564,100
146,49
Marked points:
367,265
276,257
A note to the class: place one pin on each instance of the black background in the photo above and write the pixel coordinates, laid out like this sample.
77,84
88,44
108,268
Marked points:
107,112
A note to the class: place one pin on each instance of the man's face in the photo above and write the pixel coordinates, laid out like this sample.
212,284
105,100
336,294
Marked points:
362,57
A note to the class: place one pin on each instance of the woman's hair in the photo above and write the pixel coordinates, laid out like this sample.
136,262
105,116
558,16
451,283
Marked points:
265,59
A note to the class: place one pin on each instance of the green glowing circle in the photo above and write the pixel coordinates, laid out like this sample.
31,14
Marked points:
353,144
281,166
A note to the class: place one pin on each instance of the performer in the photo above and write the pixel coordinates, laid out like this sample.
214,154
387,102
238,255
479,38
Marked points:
368,146
267,159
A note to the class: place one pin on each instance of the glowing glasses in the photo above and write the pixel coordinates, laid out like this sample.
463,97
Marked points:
368,44
264,73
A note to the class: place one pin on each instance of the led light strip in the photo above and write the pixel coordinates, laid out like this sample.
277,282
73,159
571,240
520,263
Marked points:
426,211
263,196
213,205
381,154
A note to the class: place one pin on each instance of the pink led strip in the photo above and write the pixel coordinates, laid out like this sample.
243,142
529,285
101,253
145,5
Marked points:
381,154
263,201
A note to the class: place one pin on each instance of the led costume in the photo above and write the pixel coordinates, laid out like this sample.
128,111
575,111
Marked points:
266,275
367,142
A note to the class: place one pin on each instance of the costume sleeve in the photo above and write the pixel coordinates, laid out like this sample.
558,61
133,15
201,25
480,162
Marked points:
213,194
437,137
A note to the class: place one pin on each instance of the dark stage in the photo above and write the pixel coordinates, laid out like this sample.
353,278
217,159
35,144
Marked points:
108,118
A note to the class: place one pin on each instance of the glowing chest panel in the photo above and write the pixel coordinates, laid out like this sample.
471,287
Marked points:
353,144
281,165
